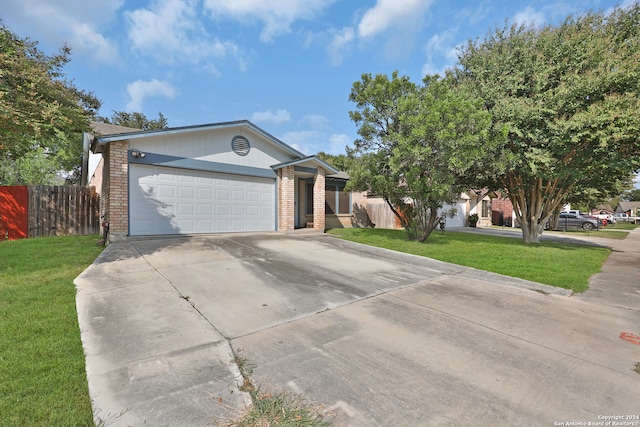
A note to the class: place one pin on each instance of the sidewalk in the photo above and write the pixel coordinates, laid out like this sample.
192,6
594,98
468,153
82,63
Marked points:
618,284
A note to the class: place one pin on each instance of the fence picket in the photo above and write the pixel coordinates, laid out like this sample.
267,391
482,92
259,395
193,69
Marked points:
63,210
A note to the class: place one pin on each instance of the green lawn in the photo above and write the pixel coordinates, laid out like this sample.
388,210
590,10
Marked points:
42,371
557,264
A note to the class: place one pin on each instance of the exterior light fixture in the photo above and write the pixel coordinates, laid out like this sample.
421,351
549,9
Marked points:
138,154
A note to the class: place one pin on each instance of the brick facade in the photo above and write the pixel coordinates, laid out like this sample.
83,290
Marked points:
286,198
319,220
115,191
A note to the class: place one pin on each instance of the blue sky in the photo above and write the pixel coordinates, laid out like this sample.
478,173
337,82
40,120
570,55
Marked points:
286,65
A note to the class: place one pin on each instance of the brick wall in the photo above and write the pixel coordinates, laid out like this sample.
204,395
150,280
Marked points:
286,195
319,220
115,195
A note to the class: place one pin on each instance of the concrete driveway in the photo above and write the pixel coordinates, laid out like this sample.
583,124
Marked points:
377,337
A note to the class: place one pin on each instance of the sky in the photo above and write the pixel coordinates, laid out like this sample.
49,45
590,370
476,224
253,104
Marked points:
285,65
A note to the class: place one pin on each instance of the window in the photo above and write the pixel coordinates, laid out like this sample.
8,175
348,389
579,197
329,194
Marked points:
337,201
486,208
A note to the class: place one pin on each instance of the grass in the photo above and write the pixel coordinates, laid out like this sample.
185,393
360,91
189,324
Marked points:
279,409
564,265
607,233
42,367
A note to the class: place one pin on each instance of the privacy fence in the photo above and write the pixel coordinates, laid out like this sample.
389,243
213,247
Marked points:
37,211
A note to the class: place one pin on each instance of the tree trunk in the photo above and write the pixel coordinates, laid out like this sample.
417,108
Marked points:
533,203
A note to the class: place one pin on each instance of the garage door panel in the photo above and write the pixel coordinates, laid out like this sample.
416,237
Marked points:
173,201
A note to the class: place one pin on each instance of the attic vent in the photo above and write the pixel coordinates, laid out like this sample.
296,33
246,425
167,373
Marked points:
240,145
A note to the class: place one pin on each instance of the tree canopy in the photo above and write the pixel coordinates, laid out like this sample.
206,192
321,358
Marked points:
42,115
136,120
418,145
568,95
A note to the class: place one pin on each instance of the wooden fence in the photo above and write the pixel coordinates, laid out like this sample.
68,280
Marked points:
63,211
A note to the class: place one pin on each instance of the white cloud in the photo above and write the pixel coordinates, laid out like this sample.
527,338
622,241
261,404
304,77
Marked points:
170,30
529,16
315,121
78,24
277,16
337,143
440,46
339,45
400,14
305,141
139,90
271,116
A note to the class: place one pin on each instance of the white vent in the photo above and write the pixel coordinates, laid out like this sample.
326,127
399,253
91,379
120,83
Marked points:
240,145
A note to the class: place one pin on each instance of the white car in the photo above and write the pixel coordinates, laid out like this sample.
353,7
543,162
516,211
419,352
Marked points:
622,217
604,215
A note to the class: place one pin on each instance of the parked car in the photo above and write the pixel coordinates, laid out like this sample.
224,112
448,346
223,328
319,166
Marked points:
572,220
603,215
622,217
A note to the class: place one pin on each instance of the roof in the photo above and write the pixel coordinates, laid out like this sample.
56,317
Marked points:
627,206
308,159
106,138
110,129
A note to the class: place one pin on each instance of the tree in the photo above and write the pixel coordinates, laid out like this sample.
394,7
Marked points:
136,120
569,98
42,115
418,145
339,161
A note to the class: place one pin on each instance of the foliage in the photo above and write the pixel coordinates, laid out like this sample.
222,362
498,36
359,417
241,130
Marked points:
42,367
136,120
564,265
631,195
339,161
42,115
569,97
418,145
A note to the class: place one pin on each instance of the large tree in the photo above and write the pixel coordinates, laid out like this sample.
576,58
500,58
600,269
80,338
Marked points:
136,120
42,115
418,145
568,95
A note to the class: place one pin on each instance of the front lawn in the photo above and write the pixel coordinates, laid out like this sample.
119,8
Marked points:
42,367
565,265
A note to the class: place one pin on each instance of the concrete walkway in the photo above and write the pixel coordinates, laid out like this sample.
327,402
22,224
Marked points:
377,337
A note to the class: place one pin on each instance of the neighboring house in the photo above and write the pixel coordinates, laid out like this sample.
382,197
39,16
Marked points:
630,208
213,178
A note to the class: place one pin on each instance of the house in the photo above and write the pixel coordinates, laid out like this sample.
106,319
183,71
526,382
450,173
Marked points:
492,209
630,208
213,178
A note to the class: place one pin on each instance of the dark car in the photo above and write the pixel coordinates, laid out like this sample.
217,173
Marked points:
572,220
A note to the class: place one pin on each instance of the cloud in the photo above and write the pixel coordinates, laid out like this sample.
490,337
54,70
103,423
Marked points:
337,143
170,31
339,45
305,141
271,116
438,47
277,16
139,90
315,121
78,24
400,14
529,16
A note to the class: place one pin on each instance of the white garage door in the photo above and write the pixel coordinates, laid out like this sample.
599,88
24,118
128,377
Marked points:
176,201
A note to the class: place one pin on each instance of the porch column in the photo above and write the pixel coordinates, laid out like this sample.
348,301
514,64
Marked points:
319,221
286,199
116,189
